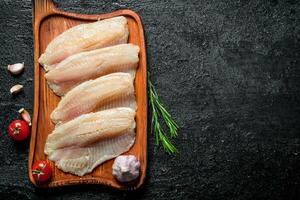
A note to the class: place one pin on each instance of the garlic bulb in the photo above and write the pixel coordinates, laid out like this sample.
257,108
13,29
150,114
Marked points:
126,168
15,69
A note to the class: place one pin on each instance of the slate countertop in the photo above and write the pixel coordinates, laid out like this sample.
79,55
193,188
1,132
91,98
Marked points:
229,72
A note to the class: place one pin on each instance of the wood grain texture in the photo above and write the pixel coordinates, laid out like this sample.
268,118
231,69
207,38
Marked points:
48,22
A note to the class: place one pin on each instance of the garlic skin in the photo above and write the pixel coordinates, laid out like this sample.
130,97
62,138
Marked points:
16,89
16,69
126,168
25,115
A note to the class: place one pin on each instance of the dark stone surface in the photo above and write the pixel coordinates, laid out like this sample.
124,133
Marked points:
229,72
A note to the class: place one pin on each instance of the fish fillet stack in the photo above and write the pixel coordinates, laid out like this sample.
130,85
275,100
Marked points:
92,67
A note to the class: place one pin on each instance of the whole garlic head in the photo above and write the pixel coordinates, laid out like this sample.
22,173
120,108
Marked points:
126,168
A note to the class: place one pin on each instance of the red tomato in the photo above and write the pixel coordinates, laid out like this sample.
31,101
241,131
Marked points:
18,130
41,171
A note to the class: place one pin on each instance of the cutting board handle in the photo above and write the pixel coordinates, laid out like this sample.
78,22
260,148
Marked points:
42,8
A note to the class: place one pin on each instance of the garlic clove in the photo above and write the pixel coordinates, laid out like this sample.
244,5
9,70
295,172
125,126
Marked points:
16,69
16,89
25,115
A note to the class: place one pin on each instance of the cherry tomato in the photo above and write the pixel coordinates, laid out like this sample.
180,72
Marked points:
41,171
18,130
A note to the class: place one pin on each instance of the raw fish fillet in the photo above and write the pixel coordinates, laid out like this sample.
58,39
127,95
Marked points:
92,64
90,128
113,90
85,37
78,146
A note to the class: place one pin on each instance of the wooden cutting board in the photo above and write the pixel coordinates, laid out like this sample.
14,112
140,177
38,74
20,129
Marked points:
48,22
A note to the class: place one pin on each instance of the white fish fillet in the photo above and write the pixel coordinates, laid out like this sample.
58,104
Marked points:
113,90
80,145
85,37
90,128
89,65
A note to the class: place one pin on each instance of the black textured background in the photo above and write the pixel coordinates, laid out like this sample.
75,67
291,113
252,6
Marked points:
229,72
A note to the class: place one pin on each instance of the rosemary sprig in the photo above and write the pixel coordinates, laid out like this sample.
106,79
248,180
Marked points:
158,110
